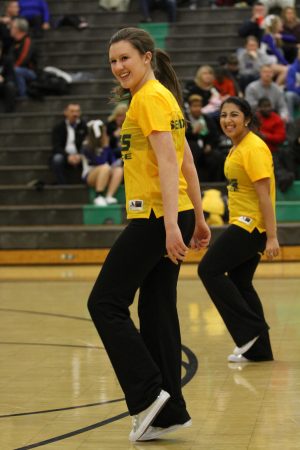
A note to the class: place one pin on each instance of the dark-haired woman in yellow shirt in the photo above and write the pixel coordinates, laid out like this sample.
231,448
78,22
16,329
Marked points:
228,267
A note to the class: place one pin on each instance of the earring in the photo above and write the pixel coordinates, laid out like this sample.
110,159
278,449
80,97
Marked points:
246,124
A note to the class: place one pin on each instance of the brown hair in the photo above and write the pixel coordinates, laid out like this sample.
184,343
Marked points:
161,63
283,15
93,143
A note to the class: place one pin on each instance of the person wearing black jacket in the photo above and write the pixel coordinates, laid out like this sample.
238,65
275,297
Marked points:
254,25
67,138
11,12
7,82
203,137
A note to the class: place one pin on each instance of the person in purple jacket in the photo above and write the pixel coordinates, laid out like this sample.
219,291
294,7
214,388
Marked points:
292,86
37,14
271,43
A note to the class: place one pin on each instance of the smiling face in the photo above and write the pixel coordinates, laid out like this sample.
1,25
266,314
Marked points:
233,122
131,68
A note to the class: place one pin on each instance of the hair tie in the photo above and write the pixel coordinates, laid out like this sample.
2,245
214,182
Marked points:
96,126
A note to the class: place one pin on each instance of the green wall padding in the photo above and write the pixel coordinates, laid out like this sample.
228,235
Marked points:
159,32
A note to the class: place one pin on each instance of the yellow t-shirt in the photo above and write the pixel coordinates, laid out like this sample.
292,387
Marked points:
152,108
250,161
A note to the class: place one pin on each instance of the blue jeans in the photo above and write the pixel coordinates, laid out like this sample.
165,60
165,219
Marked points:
23,74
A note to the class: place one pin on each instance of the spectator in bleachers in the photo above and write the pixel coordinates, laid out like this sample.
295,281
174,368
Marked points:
11,12
291,26
7,84
295,147
102,169
203,137
279,4
36,12
203,85
114,126
224,83
231,64
251,59
254,25
67,138
292,93
147,6
115,5
271,44
273,131
272,128
291,22
265,87
23,54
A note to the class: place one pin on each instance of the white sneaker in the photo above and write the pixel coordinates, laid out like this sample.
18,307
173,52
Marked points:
244,348
237,358
111,200
144,419
155,432
100,201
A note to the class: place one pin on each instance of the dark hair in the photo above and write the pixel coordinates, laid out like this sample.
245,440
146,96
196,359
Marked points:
161,63
93,143
243,106
263,100
252,38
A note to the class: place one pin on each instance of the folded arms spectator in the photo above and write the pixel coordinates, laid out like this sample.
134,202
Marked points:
67,138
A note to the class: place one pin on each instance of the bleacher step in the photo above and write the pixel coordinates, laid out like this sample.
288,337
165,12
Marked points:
54,195
40,215
292,194
100,215
288,211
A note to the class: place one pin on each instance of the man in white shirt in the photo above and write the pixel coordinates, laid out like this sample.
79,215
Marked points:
67,138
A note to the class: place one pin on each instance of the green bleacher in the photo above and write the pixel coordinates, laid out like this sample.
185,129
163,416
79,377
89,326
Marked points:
288,204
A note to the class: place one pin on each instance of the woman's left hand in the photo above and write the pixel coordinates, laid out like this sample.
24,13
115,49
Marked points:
175,245
272,248
201,236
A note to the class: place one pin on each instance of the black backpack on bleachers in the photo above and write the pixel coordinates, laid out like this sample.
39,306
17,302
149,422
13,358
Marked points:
47,84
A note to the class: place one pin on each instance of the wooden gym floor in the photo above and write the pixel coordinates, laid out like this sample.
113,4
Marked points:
58,391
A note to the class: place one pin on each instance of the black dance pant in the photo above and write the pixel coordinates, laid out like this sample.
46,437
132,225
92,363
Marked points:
227,271
150,360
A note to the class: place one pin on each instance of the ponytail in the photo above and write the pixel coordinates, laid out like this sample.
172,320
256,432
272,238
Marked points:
166,74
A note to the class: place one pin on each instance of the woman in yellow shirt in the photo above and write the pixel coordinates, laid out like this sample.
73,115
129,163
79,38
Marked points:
228,267
164,204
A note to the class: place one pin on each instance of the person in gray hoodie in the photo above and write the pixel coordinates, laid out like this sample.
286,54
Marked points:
265,87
